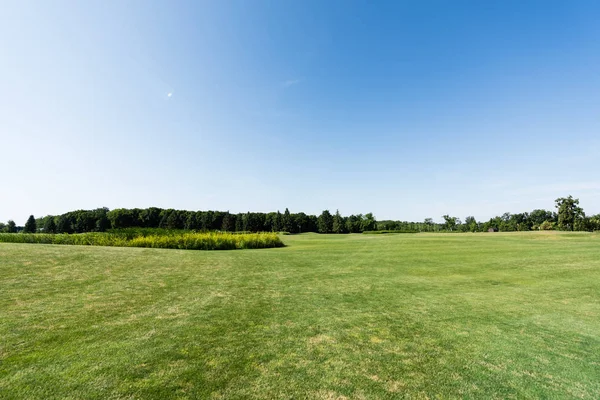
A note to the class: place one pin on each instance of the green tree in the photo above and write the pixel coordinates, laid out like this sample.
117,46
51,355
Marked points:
450,222
50,225
338,225
287,221
325,222
471,224
63,224
11,227
569,212
429,225
30,225
369,223
546,226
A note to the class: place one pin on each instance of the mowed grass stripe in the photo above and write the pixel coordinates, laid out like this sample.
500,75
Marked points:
359,316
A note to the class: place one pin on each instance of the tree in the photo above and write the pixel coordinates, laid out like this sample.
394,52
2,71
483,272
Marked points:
568,212
63,224
546,226
338,225
11,227
450,223
325,222
287,221
369,223
30,225
428,224
471,224
228,222
102,221
50,225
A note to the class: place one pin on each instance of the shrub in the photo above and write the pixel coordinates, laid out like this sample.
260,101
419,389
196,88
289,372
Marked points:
156,239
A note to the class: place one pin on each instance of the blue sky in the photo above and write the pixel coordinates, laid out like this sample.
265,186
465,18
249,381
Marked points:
405,109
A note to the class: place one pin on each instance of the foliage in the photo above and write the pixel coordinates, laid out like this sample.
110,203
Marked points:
11,227
325,222
338,225
30,225
569,213
50,225
102,219
175,240
450,222
547,226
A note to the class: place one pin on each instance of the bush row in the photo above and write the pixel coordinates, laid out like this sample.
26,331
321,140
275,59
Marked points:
186,241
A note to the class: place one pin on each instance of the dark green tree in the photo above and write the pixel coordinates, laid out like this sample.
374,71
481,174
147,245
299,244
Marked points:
50,225
429,225
338,225
450,222
569,212
369,223
11,227
228,222
63,225
325,222
30,225
278,222
286,221
471,224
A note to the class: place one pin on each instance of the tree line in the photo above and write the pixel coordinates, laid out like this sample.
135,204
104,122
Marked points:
569,216
103,219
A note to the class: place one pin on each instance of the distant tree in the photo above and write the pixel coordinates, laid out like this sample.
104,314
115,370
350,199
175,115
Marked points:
594,223
63,225
11,227
546,226
30,225
471,224
353,223
537,217
150,217
228,222
450,222
325,222
429,225
287,222
102,223
369,223
278,222
338,225
300,223
50,225
174,221
123,218
239,222
2,227
568,212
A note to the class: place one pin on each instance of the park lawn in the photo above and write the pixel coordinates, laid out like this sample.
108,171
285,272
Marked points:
490,315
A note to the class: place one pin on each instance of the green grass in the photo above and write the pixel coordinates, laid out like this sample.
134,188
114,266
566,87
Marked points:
513,315
161,239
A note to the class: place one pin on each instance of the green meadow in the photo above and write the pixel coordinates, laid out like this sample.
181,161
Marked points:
486,315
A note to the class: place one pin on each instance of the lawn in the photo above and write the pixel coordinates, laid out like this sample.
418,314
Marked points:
490,315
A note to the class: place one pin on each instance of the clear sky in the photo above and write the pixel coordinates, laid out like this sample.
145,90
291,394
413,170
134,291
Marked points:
407,109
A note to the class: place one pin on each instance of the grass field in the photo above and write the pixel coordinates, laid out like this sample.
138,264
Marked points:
513,315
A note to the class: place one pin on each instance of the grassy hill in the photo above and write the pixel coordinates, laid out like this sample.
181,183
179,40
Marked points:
347,316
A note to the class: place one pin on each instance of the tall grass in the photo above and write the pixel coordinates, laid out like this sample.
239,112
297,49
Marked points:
172,240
